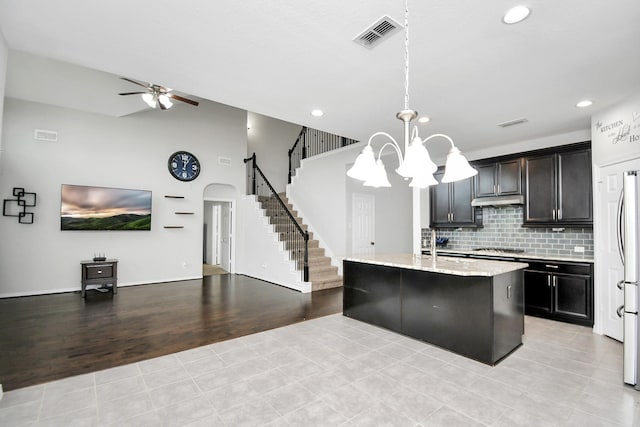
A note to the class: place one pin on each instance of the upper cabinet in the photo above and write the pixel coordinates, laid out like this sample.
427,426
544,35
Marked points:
451,204
499,178
558,189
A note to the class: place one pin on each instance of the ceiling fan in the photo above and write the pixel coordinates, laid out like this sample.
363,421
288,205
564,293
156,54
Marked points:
157,96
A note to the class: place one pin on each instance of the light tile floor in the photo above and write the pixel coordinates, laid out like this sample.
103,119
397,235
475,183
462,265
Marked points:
335,371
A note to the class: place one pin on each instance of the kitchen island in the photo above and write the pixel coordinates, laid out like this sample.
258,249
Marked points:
471,307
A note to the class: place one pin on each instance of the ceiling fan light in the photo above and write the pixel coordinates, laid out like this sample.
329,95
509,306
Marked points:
165,101
364,165
457,167
149,99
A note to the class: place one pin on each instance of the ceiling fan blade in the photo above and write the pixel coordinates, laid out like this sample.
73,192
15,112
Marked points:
162,107
131,93
135,82
180,98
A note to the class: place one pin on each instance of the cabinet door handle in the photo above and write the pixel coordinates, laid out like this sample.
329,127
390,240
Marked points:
551,266
620,284
555,281
498,192
495,189
99,271
558,214
509,292
619,310
548,281
451,216
553,214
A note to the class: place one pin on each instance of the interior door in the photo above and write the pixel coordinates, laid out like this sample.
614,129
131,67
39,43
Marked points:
609,268
363,224
225,236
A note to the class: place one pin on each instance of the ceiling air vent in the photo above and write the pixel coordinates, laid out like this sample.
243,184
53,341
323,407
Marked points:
377,32
513,122
45,135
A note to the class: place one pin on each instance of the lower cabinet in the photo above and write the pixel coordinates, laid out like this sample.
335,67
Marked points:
480,317
559,291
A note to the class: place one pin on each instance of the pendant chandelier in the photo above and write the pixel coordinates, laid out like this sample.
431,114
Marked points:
416,163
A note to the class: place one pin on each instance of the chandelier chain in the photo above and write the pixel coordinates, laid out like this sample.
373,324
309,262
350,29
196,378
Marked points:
406,54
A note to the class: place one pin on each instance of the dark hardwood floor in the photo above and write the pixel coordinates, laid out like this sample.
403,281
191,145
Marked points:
48,337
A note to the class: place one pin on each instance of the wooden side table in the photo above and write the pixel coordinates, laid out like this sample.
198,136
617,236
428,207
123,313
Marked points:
99,273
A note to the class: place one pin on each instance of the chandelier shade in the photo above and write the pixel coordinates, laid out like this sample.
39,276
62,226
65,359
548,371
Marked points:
457,167
378,178
364,165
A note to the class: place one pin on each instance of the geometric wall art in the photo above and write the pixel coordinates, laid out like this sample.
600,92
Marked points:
18,207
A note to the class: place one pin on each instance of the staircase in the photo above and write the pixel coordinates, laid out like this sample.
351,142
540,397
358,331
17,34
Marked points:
322,274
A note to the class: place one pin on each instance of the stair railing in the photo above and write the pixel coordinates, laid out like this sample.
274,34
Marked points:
311,142
295,237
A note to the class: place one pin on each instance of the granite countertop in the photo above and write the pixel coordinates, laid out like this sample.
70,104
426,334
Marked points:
445,265
524,255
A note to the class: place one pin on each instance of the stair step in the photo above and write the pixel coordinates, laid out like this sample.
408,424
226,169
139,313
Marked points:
322,272
281,228
326,284
291,244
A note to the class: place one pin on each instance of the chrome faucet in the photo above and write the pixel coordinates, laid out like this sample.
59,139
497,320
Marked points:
434,254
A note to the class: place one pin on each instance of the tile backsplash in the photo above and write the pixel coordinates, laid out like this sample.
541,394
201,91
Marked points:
503,229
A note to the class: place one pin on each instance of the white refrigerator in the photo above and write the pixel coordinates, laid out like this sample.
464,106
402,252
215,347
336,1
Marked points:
629,241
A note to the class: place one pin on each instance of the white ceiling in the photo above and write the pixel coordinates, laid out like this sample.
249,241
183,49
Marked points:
283,58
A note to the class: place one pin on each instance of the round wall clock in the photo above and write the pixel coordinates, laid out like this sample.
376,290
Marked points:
184,166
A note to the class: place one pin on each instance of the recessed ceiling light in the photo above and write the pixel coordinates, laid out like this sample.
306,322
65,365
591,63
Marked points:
317,113
516,14
424,119
584,103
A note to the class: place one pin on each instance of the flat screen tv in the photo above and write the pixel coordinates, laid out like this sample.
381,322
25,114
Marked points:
101,208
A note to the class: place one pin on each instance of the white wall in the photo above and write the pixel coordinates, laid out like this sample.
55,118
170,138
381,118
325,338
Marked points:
322,192
271,140
263,257
616,132
393,210
126,152
4,56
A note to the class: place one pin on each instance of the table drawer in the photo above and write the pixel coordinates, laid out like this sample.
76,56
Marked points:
99,271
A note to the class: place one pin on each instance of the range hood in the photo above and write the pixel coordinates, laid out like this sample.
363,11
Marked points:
498,201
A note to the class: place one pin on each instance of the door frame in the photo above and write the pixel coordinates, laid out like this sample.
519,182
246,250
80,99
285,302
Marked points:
232,231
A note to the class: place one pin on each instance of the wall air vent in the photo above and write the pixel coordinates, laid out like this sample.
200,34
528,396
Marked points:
378,31
45,135
513,122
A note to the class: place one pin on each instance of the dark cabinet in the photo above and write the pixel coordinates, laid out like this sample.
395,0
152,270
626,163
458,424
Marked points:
451,204
560,291
499,178
558,189
99,273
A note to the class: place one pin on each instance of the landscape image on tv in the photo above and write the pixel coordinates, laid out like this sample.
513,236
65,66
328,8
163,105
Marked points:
101,208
